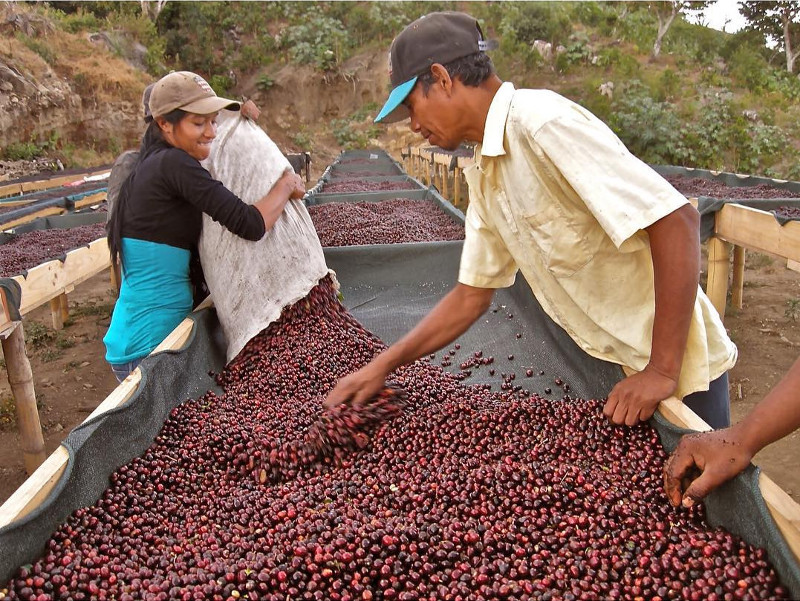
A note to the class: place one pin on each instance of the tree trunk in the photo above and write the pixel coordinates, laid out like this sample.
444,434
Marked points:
663,27
151,9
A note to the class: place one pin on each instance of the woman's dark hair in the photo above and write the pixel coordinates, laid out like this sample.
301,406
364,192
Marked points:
472,70
150,141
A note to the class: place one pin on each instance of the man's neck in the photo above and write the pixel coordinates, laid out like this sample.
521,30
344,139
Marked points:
478,103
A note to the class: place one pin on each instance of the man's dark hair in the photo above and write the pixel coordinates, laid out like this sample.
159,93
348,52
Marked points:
472,70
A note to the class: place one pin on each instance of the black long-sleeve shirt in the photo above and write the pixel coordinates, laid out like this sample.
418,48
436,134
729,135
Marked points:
171,191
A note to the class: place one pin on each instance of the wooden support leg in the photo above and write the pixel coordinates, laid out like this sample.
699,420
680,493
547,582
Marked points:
457,187
55,313
737,291
445,183
64,301
718,268
20,378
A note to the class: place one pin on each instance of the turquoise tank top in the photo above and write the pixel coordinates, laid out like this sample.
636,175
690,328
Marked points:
155,296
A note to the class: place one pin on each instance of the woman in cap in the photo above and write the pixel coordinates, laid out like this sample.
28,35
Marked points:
156,222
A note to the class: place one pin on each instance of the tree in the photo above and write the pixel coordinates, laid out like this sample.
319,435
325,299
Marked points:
152,8
779,22
666,13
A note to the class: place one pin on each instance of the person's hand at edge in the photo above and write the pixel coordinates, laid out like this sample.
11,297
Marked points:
636,398
719,456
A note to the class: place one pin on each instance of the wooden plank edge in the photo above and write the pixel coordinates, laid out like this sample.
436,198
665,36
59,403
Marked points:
768,235
28,218
10,190
38,485
784,510
62,275
57,182
90,200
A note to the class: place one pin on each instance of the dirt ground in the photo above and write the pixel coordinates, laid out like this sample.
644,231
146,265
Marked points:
71,377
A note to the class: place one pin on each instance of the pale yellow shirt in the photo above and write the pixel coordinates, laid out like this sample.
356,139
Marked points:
557,196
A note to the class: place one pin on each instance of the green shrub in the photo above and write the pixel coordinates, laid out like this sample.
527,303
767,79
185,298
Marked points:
39,47
531,21
668,85
577,51
649,128
321,41
81,20
256,54
302,139
349,137
22,151
264,82
748,68
221,84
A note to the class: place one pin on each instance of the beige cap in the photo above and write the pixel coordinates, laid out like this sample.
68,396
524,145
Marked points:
189,92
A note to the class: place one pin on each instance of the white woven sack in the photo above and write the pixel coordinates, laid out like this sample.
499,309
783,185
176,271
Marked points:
251,282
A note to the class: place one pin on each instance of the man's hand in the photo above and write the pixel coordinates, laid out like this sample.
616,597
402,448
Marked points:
358,387
718,455
636,398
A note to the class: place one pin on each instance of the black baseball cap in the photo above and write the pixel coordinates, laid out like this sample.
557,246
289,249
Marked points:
438,37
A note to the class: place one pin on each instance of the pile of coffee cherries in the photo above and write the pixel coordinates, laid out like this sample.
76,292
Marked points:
461,494
699,186
383,222
787,212
341,186
334,434
34,248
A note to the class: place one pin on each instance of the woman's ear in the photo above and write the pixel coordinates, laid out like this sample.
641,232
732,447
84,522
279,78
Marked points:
164,125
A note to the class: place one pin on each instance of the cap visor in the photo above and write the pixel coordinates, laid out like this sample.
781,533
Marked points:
206,106
394,109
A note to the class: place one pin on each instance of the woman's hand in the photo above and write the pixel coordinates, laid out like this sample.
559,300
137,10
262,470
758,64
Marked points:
288,187
294,184
249,110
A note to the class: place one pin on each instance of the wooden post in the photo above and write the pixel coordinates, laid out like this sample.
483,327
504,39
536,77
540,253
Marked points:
64,306
737,291
445,183
55,312
718,268
20,378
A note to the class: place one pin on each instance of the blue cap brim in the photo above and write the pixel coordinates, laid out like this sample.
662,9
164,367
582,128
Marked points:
394,110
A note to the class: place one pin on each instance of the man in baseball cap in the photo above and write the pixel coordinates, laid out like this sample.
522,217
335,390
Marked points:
435,38
610,250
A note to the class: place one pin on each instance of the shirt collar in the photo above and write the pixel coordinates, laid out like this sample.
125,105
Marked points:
494,131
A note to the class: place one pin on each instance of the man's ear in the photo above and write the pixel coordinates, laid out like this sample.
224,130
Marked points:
441,77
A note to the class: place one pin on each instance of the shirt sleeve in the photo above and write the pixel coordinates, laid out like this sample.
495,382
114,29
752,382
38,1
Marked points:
623,193
196,186
485,260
